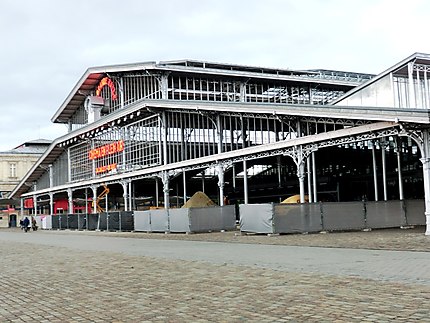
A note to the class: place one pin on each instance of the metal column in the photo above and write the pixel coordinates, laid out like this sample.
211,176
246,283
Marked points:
308,167
157,197
51,176
164,131
314,177
51,195
94,189
426,176
300,164
301,176
70,199
399,168
375,174
245,182
125,194
384,170
184,182
165,180
35,204
219,133
411,97
220,173
51,203
69,166
121,92
107,205
234,177
21,211
278,162
130,196
164,86
86,200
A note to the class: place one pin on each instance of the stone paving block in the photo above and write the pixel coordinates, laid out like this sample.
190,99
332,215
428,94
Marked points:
63,285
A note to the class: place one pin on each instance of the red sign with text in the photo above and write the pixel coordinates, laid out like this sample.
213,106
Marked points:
106,81
106,150
107,168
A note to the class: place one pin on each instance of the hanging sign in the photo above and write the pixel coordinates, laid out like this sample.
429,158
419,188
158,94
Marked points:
107,81
106,168
106,150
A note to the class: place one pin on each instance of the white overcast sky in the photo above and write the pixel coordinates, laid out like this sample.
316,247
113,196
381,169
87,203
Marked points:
46,45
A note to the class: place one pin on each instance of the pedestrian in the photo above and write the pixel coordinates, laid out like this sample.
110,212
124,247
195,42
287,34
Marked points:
26,224
33,224
21,224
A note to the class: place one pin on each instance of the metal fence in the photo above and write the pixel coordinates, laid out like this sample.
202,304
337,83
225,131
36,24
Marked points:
159,220
186,220
256,218
112,221
331,216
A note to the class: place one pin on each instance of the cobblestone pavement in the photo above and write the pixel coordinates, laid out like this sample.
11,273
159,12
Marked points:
412,239
57,284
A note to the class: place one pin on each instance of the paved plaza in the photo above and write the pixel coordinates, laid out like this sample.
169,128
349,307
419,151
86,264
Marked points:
79,276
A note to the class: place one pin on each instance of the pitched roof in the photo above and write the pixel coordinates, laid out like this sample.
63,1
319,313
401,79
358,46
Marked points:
93,76
37,146
400,68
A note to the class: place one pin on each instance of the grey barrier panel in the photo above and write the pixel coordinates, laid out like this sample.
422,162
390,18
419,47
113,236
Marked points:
179,220
93,221
415,212
297,218
257,218
142,220
343,216
55,222
206,219
48,222
103,221
113,224
159,220
126,221
72,221
385,214
82,221
228,215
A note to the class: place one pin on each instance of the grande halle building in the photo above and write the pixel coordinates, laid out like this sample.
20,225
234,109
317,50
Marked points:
153,134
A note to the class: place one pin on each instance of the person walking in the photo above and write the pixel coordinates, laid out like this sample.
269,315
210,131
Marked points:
26,224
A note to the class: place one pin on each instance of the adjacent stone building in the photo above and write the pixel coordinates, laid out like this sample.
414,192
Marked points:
14,164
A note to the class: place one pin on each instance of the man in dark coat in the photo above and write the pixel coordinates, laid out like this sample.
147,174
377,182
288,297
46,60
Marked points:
26,224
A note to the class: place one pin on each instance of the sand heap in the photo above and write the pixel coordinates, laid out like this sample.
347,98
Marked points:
199,199
294,199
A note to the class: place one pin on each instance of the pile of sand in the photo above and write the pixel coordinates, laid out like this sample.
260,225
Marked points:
294,199
199,199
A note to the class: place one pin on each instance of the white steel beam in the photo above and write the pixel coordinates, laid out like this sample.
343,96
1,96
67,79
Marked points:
328,139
